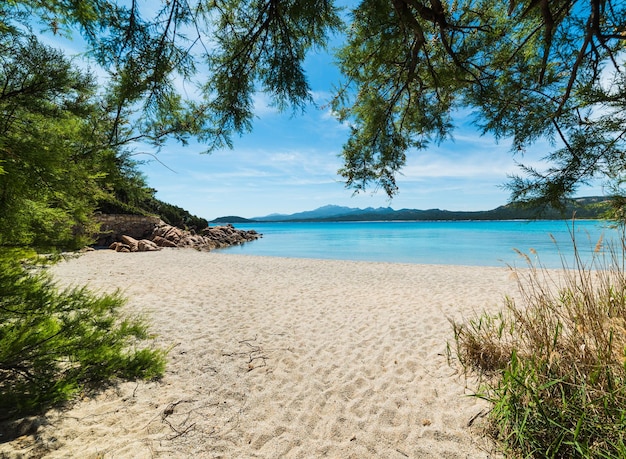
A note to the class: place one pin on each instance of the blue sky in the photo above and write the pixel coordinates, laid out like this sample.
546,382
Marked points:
289,164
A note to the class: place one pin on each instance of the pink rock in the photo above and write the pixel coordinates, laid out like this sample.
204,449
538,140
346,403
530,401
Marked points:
131,242
147,246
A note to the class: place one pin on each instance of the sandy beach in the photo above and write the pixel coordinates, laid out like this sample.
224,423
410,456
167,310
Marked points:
277,357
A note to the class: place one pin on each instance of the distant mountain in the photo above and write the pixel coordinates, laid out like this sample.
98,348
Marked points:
322,213
589,207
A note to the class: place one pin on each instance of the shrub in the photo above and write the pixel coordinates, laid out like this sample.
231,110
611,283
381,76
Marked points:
174,215
553,363
54,343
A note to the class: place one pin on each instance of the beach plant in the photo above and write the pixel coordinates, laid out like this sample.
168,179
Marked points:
55,343
553,362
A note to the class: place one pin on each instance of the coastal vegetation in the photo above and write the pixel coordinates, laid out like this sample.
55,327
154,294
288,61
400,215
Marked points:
57,343
59,165
69,143
553,361
56,170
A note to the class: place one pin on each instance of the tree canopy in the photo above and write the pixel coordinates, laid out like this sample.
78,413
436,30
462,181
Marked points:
529,71
58,162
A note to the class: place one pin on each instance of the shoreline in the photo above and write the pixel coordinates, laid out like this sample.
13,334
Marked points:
282,357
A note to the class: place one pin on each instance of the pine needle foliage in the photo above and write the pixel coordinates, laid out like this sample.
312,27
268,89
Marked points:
553,362
55,343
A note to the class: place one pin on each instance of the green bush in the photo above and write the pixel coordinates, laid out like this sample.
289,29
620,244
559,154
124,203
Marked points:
553,364
55,343
174,215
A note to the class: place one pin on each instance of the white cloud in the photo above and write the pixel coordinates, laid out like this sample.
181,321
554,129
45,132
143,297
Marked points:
263,106
285,157
322,98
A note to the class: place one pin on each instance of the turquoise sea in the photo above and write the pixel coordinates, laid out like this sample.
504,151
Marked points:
472,243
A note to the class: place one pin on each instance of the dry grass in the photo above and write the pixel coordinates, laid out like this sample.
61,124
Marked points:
554,361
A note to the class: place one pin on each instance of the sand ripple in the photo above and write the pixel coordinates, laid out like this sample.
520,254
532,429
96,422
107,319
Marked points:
274,357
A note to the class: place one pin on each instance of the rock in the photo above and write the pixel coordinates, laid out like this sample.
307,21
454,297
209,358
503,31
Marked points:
113,226
162,242
164,235
171,233
119,247
131,242
147,246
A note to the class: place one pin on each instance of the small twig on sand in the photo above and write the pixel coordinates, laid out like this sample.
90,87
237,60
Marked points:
254,353
168,411
480,414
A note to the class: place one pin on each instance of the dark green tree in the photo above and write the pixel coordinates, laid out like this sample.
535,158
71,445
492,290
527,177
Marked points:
47,149
57,163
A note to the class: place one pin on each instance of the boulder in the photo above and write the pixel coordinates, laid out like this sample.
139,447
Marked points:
115,245
168,232
113,226
146,245
163,235
119,247
162,242
131,242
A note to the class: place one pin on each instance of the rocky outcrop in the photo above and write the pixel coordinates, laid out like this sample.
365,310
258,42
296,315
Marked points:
114,226
130,233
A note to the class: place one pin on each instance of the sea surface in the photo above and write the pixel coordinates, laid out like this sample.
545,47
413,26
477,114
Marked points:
471,243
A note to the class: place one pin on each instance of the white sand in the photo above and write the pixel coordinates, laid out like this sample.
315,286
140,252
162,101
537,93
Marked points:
275,357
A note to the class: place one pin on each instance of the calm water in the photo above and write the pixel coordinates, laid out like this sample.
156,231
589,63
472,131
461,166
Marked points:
482,243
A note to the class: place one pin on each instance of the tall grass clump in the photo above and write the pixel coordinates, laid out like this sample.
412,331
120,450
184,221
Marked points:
553,361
